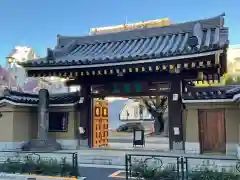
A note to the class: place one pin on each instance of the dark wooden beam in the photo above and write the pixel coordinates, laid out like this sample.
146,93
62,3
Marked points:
223,62
126,95
86,112
141,88
175,108
173,66
161,76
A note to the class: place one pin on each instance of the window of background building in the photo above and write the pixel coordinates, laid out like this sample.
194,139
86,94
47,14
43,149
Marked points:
58,122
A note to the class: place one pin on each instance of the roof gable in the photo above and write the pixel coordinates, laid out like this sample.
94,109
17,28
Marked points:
186,27
147,43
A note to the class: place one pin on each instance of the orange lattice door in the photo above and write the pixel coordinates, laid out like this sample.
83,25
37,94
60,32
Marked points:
97,124
104,123
100,123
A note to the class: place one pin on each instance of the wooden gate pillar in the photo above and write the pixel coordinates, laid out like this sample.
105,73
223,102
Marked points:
176,140
86,112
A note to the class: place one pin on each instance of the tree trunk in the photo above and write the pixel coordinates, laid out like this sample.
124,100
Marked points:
166,130
156,110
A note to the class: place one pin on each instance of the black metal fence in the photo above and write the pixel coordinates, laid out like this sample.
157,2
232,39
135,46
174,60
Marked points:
42,163
156,167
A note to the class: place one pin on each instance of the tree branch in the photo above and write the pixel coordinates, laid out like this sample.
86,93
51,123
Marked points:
157,111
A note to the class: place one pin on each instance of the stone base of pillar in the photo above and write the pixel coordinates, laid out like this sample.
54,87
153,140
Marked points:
178,147
41,145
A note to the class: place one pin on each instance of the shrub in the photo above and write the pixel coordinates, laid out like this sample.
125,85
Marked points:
48,167
169,173
213,175
153,173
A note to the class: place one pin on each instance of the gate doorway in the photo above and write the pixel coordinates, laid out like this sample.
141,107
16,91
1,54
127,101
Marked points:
212,131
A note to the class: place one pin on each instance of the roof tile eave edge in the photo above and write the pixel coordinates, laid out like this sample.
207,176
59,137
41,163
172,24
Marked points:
219,100
146,60
34,104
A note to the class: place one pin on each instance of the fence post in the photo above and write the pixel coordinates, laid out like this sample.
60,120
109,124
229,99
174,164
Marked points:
182,167
76,164
186,163
126,165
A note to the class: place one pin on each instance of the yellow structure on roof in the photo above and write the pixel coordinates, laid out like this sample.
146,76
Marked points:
125,27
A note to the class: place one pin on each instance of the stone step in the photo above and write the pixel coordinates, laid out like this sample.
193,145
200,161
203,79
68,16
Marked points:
41,145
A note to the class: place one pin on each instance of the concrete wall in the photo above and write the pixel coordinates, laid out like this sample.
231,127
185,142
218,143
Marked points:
19,124
232,114
24,124
6,127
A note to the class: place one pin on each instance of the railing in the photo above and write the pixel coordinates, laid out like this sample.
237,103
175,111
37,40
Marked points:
156,167
42,163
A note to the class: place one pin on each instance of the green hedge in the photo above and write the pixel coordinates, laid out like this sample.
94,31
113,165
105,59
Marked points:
208,174
170,173
41,167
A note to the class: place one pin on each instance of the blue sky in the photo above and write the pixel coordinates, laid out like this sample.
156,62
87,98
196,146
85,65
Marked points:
37,22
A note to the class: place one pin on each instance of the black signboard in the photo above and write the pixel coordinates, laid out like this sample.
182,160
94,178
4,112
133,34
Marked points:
138,138
133,88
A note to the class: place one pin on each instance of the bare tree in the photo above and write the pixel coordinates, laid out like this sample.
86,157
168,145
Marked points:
157,107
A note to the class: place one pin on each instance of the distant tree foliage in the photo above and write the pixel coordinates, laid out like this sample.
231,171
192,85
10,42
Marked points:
232,80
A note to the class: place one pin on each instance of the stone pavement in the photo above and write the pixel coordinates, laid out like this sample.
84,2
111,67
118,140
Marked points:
129,139
161,147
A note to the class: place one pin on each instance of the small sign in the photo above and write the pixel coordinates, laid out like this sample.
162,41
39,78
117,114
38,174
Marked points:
175,97
81,100
138,138
138,135
176,131
81,130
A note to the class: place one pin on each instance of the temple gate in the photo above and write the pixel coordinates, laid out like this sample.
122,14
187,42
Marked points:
152,61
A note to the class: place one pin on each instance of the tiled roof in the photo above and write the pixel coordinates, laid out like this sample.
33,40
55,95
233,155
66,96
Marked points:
206,93
146,43
27,98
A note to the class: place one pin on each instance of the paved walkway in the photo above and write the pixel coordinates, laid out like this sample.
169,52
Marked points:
161,147
150,140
